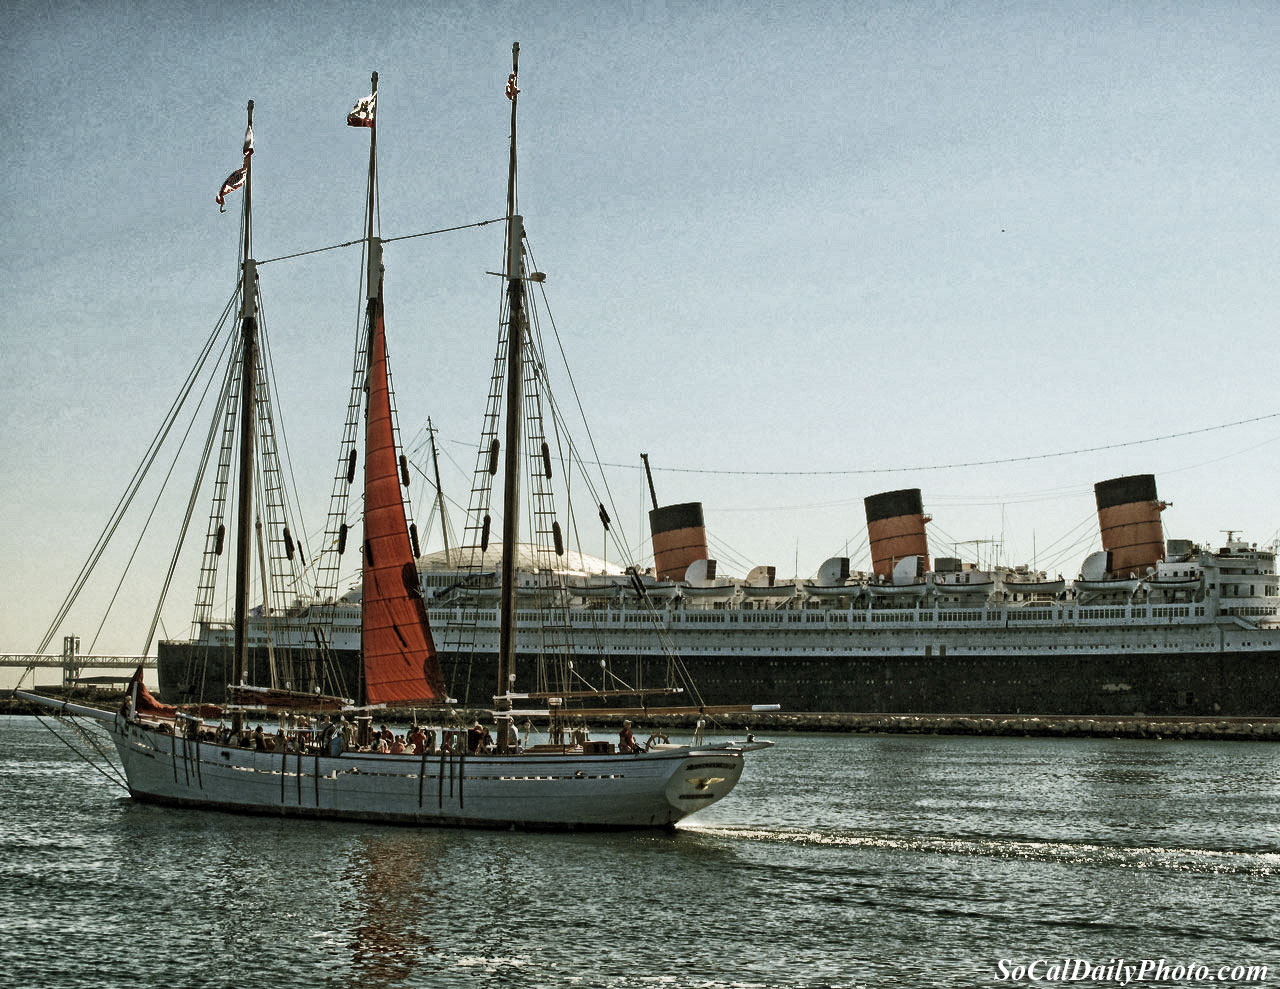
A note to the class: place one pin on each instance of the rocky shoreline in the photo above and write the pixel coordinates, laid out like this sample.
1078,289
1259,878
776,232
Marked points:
1044,726
1020,725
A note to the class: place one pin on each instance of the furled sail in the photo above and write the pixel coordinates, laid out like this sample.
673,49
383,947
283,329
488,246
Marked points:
400,664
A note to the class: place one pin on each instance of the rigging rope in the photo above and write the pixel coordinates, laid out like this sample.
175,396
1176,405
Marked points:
126,499
675,661
111,772
385,240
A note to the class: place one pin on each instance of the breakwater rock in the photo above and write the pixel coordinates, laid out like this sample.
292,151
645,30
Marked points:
1047,726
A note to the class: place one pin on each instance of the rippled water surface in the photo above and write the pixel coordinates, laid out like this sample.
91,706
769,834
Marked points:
838,861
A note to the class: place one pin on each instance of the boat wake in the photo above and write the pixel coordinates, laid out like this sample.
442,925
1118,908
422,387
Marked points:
1192,860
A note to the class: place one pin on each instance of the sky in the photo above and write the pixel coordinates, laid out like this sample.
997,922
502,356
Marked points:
797,253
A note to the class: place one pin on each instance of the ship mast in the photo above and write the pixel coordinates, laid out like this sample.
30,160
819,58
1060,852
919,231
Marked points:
515,397
373,292
435,465
248,407
398,656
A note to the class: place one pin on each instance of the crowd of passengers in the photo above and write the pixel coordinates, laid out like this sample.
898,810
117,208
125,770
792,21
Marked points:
333,736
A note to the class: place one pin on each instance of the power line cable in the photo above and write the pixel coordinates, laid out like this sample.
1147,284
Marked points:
951,466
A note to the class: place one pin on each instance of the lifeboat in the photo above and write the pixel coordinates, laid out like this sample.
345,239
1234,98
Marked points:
1094,577
833,581
833,591
599,592
1117,585
769,591
917,588
663,590
709,592
968,583
1047,587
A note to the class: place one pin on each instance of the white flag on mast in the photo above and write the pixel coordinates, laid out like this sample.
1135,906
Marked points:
237,178
363,112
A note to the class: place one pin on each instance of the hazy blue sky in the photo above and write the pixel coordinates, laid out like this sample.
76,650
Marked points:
785,237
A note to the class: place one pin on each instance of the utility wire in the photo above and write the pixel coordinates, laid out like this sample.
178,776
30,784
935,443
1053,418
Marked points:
951,466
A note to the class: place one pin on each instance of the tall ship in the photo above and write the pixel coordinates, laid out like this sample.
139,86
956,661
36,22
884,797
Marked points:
1148,626
321,757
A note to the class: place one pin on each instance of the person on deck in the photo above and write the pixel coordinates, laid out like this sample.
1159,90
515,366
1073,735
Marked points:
626,740
478,739
418,740
334,742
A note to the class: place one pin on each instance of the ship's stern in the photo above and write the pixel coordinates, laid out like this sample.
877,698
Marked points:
706,776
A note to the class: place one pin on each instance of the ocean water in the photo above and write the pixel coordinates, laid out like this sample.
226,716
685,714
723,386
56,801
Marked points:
838,861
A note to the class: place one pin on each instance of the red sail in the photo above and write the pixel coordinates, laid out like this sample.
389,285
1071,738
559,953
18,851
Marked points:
400,664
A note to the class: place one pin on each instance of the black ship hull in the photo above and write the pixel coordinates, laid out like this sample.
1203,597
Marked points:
1154,684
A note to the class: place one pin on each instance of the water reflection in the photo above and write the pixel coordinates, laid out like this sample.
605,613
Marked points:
393,878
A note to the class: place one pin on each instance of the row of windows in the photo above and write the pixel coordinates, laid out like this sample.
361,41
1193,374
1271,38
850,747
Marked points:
893,616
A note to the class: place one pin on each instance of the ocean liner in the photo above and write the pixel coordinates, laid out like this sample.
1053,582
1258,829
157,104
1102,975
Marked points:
1148,626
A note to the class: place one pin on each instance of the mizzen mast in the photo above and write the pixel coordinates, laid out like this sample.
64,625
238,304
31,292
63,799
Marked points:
515,397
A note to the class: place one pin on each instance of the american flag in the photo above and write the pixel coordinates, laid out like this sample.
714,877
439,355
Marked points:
234,181
512,89
362,113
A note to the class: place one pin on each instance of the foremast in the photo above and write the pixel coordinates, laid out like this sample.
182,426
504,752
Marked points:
515,397
248,408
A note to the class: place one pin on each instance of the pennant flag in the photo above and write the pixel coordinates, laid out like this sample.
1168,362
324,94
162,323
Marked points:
362,113
234,181
512,89
248,141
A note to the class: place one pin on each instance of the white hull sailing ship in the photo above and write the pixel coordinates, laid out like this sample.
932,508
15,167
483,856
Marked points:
180,757
558,787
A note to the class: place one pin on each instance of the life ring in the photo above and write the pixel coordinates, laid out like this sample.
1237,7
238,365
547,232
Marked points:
656,737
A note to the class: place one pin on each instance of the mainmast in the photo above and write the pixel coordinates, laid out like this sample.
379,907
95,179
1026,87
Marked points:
248,411
398,654
515,398
373,294
371,206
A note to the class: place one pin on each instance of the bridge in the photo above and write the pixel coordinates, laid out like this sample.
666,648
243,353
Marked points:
73,663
